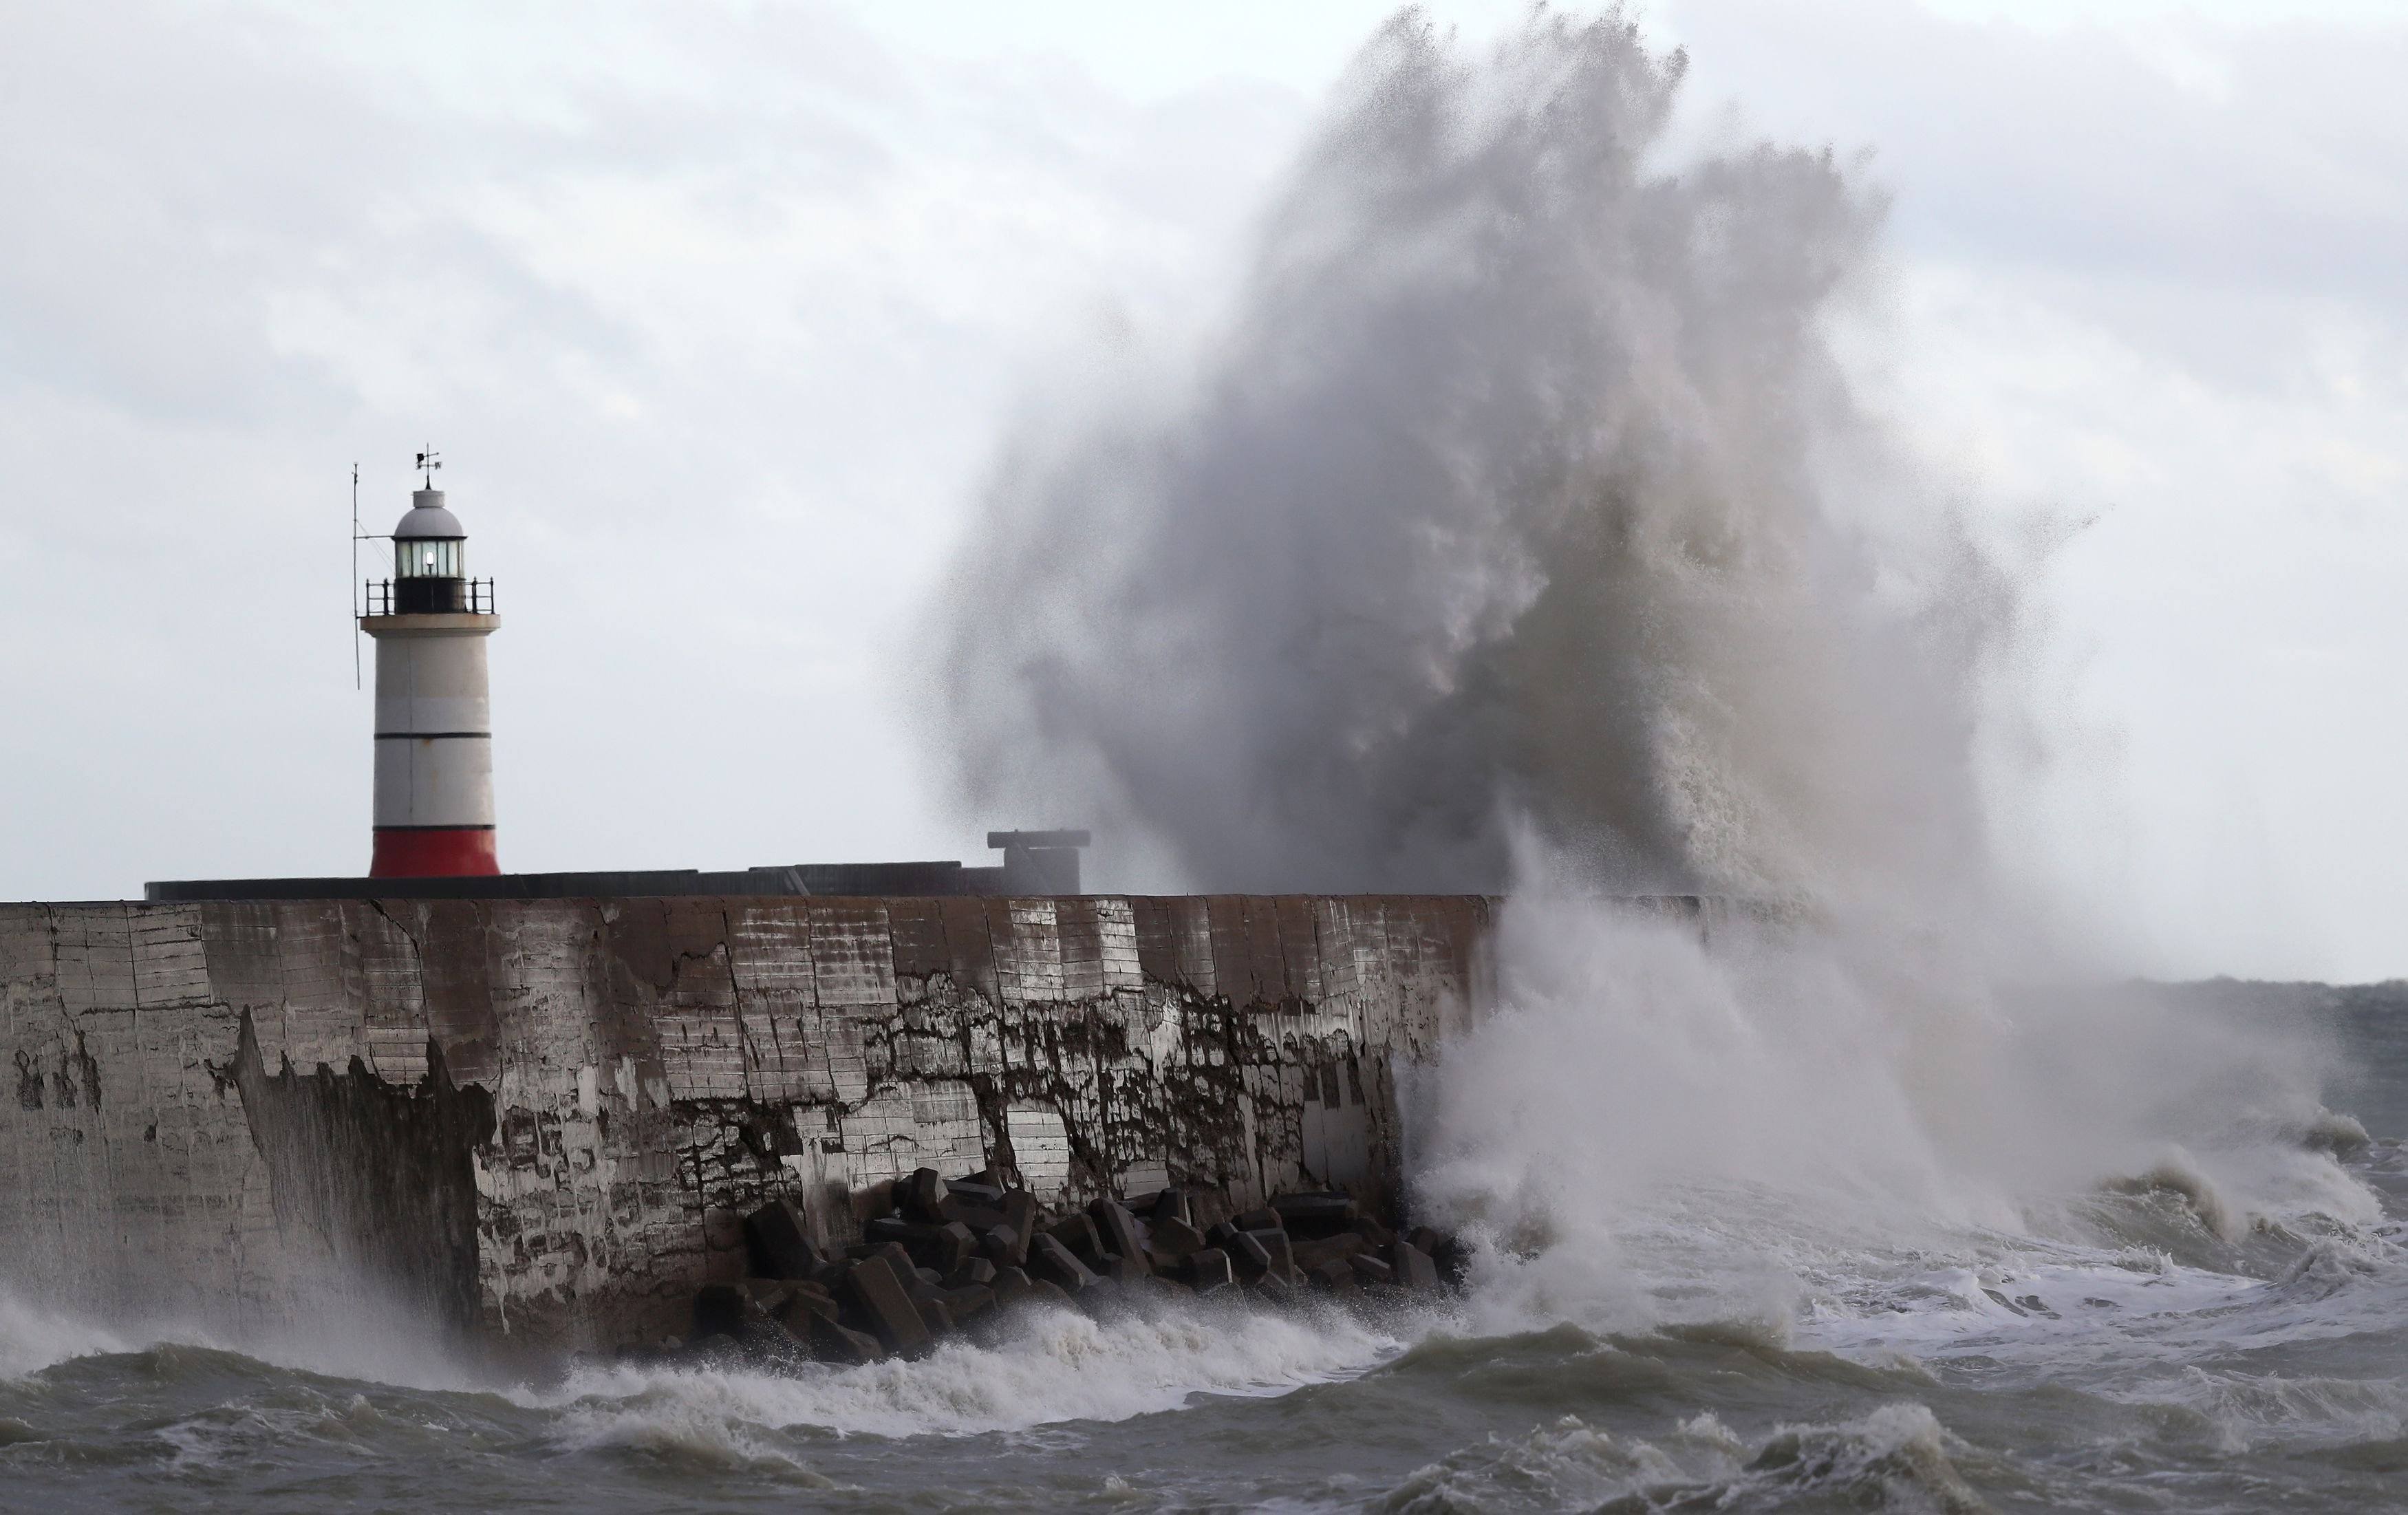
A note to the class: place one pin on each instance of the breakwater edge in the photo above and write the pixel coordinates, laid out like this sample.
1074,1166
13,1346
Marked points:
541,1124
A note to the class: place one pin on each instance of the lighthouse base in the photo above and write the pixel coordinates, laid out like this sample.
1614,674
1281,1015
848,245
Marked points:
432,851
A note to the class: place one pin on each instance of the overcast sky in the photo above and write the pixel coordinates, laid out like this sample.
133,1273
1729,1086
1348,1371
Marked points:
719,314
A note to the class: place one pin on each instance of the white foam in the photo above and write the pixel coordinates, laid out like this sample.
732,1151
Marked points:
1056,1366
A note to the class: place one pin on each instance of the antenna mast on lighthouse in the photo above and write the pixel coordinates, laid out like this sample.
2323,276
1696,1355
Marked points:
355,575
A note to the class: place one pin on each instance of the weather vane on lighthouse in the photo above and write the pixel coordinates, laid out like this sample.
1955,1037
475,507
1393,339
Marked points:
434,720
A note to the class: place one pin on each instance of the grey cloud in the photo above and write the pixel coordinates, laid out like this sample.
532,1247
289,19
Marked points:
2070,152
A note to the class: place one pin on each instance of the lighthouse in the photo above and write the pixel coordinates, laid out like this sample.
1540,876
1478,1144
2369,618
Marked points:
434,718
434,835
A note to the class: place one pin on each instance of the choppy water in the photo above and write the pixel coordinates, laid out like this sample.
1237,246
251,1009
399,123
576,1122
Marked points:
2152,1349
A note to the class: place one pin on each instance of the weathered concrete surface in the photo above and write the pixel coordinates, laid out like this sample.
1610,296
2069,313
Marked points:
542,1119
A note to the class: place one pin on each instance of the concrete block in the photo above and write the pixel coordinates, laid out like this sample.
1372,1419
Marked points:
922,1197
831,1342
943,1247
1170,1241
977,1270
1247,1255
873,1289
731,1313
953,1246
1004,1247
1020,1213
776,1243
1209,1271
972,1191
801,1307
894,1228
1312,1255
981,1219
1045,1291
1118,1230
1169,1205
1281,1254
1315,1214
787,1300
970,1300
893,1251
1079,1233
1369,1270
1333,1274
938,1316
1208,1208
1050,1262
1121,1269
1411,1267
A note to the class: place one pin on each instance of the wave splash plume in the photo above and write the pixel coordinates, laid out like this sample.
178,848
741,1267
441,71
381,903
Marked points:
1520,497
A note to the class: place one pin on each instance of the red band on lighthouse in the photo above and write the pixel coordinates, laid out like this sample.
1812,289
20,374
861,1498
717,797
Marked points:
432,851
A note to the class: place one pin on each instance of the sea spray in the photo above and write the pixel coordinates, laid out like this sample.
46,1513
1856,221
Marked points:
32,1338
1661,1124
1056,1365
1521,493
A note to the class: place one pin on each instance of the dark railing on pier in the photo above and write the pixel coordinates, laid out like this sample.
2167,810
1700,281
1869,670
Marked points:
429,596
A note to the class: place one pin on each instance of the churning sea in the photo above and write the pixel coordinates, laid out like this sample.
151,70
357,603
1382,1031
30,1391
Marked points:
2165,1341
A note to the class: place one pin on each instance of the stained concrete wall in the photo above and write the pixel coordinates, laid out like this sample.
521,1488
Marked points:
541,1121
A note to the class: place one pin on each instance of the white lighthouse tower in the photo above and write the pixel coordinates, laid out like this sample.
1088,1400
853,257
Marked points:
434,718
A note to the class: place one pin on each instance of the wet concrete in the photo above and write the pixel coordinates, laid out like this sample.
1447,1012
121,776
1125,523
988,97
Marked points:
541,1121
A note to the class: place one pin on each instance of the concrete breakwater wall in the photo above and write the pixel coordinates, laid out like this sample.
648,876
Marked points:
540,1121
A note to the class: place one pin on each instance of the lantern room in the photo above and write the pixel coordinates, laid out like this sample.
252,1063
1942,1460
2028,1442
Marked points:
429,558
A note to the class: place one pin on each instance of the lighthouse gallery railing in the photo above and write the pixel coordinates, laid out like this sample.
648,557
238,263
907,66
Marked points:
429,596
